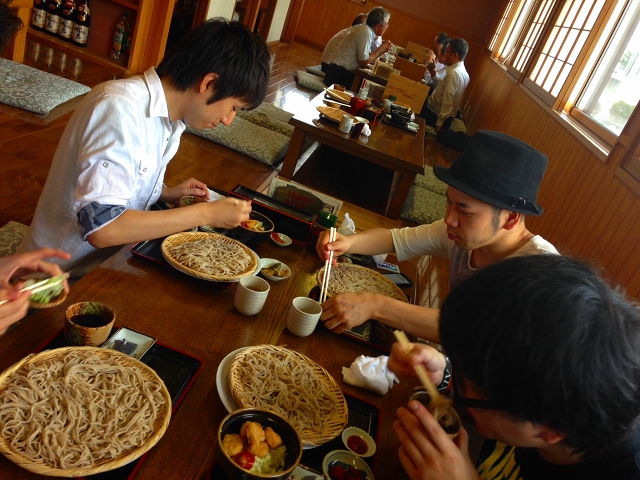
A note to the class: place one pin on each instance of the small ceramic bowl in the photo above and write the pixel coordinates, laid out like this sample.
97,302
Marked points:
265,263
344,459
358,441
88,324
280,239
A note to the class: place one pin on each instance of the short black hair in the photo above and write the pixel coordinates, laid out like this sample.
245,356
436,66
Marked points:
551,342
377,16
443,39
359,20
238,56
459,46
9,24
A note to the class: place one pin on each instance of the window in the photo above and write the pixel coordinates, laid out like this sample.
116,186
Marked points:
581,57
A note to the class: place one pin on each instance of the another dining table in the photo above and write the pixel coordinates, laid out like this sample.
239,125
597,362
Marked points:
198,318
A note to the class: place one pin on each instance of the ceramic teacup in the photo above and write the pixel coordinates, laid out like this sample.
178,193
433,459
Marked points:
251,294
303,316
88,324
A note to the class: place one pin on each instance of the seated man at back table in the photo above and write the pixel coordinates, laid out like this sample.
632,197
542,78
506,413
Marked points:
492,186
436,70
443,104
336,40
356,49
545,360
110,163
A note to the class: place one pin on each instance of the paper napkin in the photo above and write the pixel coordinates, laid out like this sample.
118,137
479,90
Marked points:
371,373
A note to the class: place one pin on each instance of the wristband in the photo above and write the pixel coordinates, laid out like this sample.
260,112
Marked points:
446,378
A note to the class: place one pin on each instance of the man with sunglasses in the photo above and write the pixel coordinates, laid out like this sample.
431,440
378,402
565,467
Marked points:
546,362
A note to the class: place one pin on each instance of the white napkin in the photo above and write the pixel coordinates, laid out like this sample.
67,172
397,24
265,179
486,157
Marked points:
347,226
213,196
371,373
366,131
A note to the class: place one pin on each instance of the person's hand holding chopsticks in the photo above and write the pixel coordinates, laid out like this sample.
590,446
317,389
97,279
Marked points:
325,246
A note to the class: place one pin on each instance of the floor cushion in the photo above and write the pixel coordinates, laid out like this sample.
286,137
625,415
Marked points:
246,137
430,182
269,116
424,206
35,90
310,81
10,237
315,70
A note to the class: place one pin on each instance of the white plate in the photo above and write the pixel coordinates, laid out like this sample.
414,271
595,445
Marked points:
222,381
267,262
222,385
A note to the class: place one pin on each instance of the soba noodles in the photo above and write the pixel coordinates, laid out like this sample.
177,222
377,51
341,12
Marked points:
213,256
73,412
352,278
283,383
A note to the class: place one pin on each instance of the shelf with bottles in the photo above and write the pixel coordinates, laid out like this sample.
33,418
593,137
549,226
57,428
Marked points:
98,47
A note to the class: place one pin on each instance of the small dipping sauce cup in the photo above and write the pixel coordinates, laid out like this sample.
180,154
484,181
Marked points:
88,324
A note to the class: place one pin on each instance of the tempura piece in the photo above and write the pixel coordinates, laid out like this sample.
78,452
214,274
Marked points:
232,444
273,439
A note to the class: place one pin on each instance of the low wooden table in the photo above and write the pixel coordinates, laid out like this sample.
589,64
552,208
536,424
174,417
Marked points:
389,146
195,317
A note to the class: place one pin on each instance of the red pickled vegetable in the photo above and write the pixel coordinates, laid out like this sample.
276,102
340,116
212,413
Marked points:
337,472
245,460
277,238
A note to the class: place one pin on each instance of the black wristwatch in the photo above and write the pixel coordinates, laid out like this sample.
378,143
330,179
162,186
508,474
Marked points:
445,385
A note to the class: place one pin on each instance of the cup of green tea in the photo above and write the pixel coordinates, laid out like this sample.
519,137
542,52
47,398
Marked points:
88,324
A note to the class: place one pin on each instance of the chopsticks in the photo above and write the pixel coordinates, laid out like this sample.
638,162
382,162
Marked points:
327,269
436,397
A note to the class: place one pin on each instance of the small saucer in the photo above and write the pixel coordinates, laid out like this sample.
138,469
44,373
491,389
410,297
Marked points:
362,437
280,239
267,262
345,459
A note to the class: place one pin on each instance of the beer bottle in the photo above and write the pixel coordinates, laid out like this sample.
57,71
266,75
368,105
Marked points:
54,10
39,18
66,20
81,24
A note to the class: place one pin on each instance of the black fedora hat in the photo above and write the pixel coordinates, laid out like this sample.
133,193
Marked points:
498,169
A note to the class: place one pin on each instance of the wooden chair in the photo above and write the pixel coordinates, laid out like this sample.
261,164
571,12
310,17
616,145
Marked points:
407,91
412,70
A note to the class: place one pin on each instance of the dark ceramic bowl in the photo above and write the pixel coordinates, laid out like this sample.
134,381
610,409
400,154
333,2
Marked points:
252,238
232,424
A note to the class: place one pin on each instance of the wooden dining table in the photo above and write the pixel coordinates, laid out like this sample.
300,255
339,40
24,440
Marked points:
198,318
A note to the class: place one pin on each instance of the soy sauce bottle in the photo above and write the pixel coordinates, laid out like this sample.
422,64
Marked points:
81,24
66,20
54,10
39,18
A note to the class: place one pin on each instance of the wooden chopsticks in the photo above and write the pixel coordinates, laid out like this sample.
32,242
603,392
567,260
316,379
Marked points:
327,269
436,398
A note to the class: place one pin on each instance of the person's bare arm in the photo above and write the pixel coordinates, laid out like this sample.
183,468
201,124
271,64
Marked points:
348,310
369,242
135,225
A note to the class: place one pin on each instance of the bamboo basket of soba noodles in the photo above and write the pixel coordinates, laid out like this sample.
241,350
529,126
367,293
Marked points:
78,411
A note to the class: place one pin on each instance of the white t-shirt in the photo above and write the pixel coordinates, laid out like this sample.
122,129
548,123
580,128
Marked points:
355,46
114,151
432,239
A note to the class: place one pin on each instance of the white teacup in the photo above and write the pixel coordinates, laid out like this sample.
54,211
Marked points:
251,293
303,316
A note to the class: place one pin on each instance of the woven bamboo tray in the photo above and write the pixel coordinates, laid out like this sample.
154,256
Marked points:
245,398
180,238
346,278
159,427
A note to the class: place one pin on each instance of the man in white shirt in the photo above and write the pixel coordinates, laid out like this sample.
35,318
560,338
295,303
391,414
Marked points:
336,40
356,50
435,70
492,186
109,166
443,104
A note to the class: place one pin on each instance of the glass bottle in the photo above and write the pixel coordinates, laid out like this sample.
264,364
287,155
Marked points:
81,24
54,10
121,36
39,18
66,20
325,220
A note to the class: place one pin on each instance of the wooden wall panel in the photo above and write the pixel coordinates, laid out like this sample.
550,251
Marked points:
589,212
320,20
